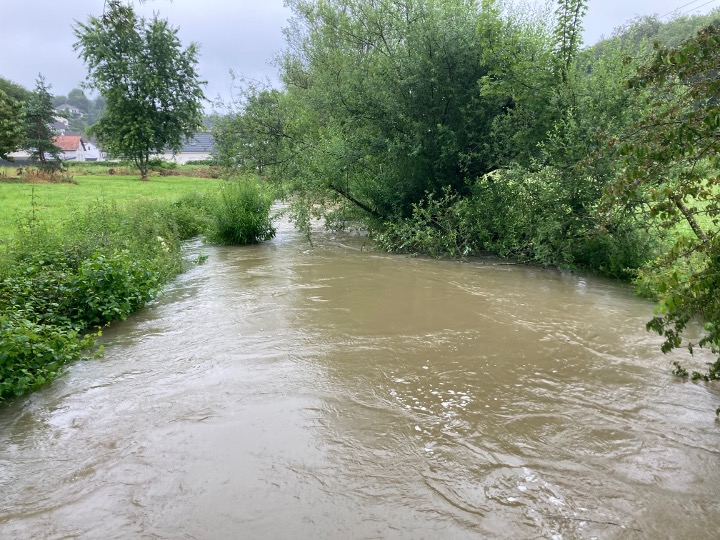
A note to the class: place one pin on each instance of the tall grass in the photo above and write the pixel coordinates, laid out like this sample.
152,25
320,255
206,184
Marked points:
240,213
54,202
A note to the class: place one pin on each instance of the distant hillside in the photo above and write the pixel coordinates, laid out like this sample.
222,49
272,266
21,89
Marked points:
640,33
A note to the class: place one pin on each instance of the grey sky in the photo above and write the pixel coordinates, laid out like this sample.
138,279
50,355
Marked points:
243,35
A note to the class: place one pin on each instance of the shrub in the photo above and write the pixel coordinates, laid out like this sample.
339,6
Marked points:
56,284
240,213
32,353
438,227
534,216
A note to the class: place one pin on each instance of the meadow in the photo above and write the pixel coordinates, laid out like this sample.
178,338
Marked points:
54,202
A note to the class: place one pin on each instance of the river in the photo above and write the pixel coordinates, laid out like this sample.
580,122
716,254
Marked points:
286,391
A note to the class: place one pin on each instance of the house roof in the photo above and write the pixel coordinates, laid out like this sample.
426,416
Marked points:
68,143
199,143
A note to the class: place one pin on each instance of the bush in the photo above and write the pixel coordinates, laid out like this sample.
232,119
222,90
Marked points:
32,353
240,213
438,227
111,286
159,164
57,284
533,216
205,162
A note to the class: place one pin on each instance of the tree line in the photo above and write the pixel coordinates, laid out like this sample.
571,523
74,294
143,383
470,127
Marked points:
151,97
26,122
27,116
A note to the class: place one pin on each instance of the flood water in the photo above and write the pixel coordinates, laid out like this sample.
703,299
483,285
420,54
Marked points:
284,391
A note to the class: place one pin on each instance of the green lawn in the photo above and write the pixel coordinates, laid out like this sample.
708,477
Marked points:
55,202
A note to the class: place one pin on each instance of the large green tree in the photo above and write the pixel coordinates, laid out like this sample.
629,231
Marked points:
152,90
39,116
382,101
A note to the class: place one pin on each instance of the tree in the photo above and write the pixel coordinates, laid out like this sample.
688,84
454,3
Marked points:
14,91
11,126
383,104
568,33
39,116
77,98
251,134
672,171
150,84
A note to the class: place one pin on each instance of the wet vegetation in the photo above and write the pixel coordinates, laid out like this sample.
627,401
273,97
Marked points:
63,279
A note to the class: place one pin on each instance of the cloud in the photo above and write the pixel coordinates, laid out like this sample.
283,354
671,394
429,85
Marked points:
242,35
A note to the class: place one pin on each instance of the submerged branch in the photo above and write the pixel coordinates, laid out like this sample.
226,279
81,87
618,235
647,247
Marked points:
356,202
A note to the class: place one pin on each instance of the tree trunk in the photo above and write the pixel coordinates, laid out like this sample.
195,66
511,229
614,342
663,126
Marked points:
690,218
357,203
143,164
41,152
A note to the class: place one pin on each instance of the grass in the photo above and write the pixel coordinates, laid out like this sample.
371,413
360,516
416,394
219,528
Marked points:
56,202
193,169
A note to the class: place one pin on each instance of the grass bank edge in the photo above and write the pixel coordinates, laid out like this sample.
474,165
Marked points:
61,282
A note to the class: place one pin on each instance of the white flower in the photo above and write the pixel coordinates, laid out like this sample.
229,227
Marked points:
163,243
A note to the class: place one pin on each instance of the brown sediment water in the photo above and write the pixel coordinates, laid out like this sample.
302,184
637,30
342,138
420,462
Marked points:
289,391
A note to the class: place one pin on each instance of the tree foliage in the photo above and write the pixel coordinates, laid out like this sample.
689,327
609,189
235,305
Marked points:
672,170
568,33
12,127
251,135
77,98
14,90
641,32
152,90
384,103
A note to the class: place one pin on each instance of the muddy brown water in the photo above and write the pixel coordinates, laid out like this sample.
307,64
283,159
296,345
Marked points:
283,391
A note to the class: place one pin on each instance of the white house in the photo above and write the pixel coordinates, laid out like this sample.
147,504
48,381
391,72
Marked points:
199,147
72,147
69,109
93,153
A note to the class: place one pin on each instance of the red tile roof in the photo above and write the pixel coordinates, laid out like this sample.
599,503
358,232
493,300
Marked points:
67,143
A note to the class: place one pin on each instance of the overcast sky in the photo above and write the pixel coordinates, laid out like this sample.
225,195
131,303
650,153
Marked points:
243,35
